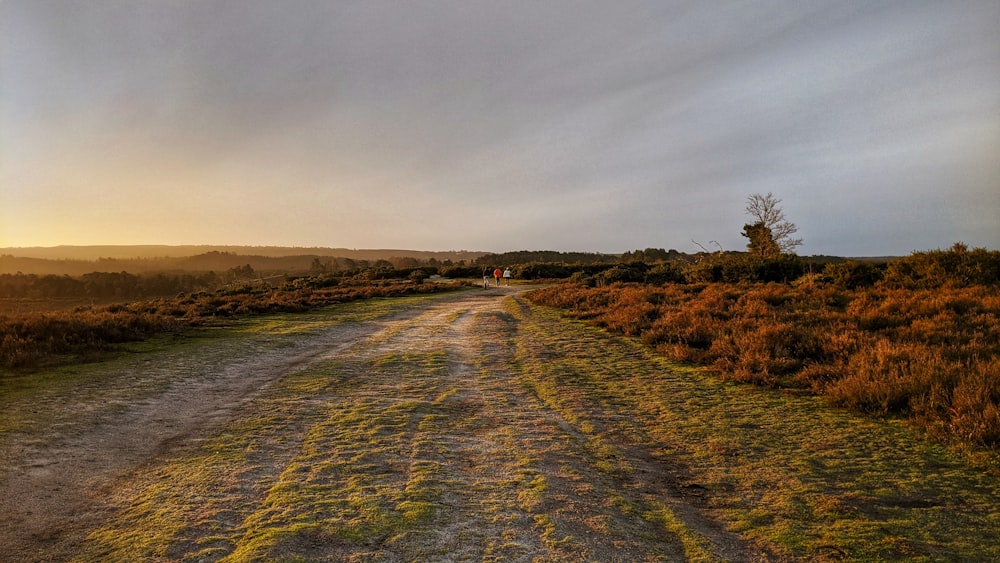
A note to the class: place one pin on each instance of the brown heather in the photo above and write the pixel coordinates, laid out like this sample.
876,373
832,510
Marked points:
927,354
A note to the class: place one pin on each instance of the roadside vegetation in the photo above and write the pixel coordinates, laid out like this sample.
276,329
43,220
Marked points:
915,337
35,339
918,337
805,480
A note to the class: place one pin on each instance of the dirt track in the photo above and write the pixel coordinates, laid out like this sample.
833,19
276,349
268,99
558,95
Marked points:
422,415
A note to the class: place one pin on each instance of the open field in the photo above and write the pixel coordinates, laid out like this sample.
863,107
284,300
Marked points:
469,425
44,335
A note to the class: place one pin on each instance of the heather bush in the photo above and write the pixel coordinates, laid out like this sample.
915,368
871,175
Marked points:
28,339
665,273
956,267
927,354
622,273
884,377
745,268
632,310
973,406
854,275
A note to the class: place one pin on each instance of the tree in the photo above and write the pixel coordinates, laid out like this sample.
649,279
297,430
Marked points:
771,234
762,243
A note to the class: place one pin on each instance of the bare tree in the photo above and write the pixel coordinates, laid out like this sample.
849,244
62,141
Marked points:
771,233
706,252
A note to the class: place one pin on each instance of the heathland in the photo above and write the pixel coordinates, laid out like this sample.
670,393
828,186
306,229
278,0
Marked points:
651,405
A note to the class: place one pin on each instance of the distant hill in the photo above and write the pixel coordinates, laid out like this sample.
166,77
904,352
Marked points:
165,251
79,260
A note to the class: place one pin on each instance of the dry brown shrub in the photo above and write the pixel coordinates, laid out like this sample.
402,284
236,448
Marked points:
26,340
885,378
631,311
818,377
974,413
766,352
928,354
578,301
687,334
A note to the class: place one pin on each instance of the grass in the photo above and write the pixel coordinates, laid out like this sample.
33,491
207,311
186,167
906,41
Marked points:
28,396
314,463
928,355
783,469
38,400
33,340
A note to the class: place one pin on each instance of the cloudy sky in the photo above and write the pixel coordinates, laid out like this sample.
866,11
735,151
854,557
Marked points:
496,125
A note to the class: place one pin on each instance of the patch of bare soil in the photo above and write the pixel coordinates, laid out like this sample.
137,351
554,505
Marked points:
512,479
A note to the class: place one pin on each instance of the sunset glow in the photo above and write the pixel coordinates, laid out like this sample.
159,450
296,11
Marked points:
588,126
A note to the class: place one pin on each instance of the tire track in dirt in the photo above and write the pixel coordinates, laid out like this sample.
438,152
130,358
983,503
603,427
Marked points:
462,459
504,478
524,490
54,479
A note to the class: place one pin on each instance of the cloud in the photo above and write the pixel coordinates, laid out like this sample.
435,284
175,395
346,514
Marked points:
577,125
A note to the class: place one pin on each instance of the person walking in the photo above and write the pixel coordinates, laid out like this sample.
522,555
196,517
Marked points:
506,277
486,277
496,276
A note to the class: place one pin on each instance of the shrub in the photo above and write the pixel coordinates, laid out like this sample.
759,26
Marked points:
540,271
631,312
744,268
974,406
621,274
456,272
665,273
854,275
927,354
956,267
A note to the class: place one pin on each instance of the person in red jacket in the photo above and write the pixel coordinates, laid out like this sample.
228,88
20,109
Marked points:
496,275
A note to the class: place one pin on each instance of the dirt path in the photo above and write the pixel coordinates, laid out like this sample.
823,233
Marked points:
415,435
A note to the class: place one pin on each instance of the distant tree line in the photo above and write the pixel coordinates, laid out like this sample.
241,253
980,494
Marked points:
653,255
216,261
544,256
105,285
958,266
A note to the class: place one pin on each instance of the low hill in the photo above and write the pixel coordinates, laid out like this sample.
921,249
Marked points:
120,252
79,260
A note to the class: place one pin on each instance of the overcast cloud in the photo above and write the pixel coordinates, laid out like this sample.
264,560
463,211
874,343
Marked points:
593,126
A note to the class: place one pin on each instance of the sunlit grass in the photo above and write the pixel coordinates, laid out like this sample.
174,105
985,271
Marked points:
337,467
782,468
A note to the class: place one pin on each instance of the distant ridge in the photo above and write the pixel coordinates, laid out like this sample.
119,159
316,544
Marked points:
80,260
129,252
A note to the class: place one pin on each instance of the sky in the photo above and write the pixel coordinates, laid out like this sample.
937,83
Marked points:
499,125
